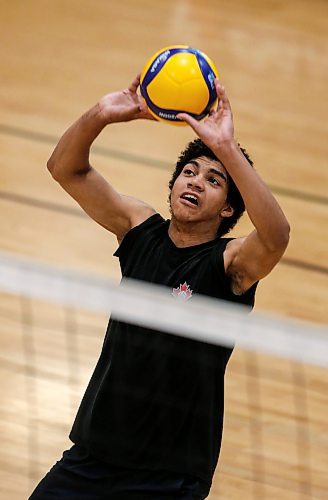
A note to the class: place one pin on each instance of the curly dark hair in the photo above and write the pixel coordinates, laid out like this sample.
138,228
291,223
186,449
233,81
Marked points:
196,149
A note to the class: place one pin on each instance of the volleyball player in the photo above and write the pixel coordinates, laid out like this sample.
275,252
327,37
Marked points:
150,423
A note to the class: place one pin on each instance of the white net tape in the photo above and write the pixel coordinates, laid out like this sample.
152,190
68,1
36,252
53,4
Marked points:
203,318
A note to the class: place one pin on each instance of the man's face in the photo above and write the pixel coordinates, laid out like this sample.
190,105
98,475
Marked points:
199,194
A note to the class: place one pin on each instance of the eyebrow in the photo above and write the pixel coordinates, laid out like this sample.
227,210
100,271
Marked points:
211,170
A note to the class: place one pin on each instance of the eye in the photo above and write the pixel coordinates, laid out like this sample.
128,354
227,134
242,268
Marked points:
213,180
188,171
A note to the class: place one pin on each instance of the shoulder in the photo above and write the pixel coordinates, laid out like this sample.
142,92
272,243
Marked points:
148,223
140,240
139,213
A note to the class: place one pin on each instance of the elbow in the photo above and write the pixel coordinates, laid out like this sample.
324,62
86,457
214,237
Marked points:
285,234
281,238
277,241
57,172
51,166
62,173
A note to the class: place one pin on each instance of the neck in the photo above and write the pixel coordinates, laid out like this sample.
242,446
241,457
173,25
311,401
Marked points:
185,234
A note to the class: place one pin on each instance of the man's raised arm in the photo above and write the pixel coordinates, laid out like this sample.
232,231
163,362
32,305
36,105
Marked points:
251,258
69,163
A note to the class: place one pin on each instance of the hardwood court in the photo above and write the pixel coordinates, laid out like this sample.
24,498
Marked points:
58,58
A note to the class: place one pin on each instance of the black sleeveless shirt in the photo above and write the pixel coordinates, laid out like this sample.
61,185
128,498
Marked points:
155,400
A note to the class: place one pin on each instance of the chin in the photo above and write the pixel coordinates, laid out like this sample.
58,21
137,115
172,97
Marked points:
183,217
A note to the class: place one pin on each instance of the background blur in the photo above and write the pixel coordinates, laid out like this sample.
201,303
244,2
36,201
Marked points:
58,58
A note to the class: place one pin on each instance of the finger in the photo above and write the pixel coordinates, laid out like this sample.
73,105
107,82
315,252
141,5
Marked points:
188,119
145,115
144,111
222,96
149,116
133,87
218,86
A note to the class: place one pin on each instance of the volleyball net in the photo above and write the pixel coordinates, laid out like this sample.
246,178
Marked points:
52,328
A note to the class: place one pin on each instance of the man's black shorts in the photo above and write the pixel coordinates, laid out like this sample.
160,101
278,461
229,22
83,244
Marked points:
78,476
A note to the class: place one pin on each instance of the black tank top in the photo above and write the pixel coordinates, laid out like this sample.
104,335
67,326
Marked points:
155,400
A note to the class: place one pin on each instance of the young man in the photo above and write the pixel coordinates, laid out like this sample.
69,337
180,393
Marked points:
150,423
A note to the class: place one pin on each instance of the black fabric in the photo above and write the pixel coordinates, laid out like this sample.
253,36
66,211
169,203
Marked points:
78,476
155,400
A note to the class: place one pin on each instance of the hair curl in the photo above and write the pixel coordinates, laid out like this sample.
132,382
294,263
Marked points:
196,149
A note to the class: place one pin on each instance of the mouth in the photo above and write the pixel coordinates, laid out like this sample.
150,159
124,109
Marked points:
189,199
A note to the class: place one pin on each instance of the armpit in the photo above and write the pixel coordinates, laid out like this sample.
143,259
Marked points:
236,282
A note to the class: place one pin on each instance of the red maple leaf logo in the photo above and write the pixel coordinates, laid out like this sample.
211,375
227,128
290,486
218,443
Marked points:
182,292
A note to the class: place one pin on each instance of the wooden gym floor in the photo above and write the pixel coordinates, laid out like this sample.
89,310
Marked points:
57,59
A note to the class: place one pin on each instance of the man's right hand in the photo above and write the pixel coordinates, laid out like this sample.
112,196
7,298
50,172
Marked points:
125,105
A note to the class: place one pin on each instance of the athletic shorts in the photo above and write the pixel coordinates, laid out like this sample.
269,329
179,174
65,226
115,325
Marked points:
79,476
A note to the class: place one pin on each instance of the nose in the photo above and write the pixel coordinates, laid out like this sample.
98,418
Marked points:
196,182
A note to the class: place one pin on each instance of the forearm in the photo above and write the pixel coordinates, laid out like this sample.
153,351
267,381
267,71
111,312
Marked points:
71,155
263,209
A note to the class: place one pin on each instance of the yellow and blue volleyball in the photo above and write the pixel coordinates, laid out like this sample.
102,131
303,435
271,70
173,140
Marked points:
179,79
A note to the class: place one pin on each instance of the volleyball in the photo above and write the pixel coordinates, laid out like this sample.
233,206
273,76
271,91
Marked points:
179,79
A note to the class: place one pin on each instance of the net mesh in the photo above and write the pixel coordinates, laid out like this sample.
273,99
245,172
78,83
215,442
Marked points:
52,328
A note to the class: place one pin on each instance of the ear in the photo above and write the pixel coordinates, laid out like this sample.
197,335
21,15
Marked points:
227,211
